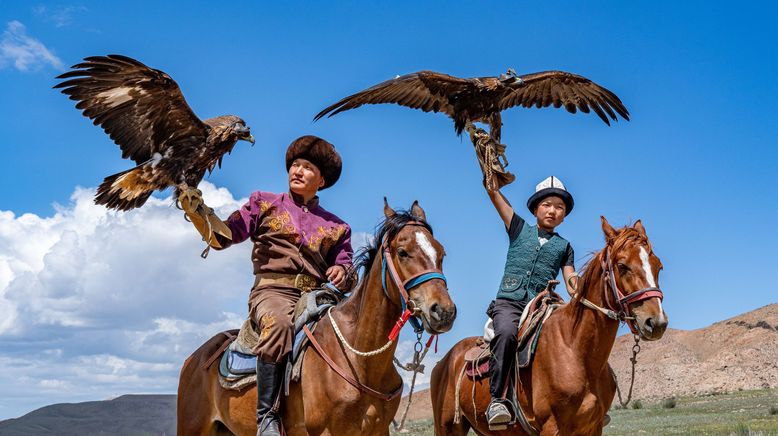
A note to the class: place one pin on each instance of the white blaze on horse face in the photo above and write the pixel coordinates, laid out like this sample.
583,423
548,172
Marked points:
651,281
647,267
427,248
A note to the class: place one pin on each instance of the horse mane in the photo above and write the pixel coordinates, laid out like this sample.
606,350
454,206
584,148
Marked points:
592,269
388,228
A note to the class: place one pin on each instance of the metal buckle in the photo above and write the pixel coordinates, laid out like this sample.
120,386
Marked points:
304,282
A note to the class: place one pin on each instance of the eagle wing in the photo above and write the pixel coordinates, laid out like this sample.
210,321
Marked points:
564,89
140,108
425,90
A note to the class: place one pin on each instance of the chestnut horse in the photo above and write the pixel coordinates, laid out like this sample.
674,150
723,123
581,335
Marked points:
568,388
402,255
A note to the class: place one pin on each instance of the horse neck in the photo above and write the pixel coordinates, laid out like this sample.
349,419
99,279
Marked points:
593,333
368,315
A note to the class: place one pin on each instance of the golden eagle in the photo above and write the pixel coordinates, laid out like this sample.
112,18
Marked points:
483,98
145,113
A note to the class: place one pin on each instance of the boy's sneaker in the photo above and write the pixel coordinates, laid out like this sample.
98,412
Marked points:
498,415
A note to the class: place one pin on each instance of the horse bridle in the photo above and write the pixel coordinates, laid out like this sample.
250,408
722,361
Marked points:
408,308
402,286
624,310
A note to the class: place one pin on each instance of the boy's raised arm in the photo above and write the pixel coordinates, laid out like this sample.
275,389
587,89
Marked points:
502,205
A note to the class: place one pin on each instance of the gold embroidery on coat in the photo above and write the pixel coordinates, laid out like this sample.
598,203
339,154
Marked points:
326,238
282,223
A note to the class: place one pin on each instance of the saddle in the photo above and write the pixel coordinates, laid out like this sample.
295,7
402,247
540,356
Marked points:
237,365
534,315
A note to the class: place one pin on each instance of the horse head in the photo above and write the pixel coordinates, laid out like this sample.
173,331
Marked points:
632,273
417,260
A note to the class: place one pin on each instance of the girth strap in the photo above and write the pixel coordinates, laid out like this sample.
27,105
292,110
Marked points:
346,376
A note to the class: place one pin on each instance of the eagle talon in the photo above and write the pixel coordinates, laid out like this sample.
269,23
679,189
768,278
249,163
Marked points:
191,199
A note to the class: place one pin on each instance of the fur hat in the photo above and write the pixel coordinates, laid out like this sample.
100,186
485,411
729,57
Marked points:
320,153
548,187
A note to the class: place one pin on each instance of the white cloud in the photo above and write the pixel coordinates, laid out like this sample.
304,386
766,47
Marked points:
24,52
60,16
96,304
107,303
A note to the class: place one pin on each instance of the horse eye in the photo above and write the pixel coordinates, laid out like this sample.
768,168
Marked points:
623,267
402,253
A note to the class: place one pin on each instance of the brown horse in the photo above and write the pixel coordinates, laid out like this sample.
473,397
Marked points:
404,254
568,387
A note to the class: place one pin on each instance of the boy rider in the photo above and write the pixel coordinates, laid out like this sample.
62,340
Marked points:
536,253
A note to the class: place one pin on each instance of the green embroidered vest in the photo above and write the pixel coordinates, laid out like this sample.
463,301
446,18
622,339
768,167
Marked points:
530,266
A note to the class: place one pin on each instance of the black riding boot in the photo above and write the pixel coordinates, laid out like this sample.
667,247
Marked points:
268,387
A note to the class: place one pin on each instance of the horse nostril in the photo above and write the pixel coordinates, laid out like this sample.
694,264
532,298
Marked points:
649,324
435,311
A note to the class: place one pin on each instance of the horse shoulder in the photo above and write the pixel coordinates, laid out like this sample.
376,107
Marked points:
556,363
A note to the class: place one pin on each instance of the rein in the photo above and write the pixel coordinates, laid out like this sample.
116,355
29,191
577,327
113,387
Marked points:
387,265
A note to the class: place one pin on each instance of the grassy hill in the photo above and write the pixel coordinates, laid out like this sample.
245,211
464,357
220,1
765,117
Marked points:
128,415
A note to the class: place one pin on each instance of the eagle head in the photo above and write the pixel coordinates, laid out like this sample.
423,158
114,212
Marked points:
511,78
229,128
242,131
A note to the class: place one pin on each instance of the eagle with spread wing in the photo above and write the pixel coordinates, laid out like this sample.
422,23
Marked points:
481,99
145,113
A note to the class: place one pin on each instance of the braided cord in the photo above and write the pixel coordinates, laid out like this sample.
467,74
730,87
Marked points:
350,348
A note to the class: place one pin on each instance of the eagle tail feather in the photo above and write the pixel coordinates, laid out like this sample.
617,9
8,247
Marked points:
124,191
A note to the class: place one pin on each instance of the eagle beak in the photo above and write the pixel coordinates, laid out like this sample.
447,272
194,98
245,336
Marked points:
250,139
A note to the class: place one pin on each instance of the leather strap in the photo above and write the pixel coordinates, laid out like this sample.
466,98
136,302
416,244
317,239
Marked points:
343,374
218,353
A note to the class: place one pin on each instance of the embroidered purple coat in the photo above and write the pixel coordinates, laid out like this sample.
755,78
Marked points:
291,237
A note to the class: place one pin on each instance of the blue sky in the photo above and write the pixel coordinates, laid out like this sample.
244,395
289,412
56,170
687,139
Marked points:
696,163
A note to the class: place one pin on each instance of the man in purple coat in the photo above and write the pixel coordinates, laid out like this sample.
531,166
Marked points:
297,246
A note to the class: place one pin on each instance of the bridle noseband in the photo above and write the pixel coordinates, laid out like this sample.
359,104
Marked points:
387,264
623,311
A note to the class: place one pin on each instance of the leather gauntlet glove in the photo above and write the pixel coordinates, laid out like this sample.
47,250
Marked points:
489,155
203,217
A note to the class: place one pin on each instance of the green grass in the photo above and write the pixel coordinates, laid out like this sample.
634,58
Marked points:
746,413
416,428
739,413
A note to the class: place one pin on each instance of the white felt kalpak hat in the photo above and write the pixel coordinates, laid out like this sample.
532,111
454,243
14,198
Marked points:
550,186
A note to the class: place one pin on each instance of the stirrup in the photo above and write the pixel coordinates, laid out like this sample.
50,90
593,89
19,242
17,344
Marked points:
498,416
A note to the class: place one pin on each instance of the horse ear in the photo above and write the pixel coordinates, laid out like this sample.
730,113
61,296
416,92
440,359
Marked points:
639,227
607,229
388,211
417,211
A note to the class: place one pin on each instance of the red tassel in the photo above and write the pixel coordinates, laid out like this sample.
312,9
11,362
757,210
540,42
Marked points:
399,325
